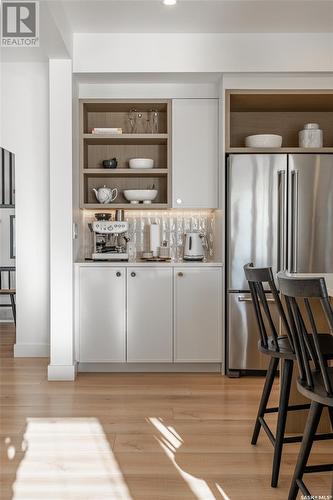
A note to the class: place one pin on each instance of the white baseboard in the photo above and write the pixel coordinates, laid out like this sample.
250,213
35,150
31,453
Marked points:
151,367
61,372
9,320
31,350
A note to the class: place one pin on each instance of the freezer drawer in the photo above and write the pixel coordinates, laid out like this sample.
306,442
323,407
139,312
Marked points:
243,333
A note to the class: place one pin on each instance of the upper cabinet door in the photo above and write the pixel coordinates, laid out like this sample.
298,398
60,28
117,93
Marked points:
102,314
195,133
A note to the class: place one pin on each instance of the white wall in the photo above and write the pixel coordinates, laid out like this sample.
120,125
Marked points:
202,52
25,125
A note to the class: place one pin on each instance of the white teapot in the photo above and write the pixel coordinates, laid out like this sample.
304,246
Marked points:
105,194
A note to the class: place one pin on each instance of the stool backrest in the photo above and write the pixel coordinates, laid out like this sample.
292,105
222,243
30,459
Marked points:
7,277
300,291
257,277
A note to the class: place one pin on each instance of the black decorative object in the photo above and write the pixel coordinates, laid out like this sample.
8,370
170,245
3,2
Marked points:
110,163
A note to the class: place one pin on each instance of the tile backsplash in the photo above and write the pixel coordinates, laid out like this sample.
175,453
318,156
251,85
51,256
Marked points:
173,224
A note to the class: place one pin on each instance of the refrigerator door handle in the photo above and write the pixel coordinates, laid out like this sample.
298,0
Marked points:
243,298
282,210
294,220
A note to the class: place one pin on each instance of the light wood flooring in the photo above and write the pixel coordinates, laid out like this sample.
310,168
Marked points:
135,436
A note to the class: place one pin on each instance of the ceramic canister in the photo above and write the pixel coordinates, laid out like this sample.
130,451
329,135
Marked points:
311,136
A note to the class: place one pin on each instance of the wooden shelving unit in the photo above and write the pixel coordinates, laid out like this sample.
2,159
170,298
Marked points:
282,112
94,148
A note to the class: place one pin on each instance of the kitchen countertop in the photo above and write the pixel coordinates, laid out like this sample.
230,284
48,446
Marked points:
328,278
141,263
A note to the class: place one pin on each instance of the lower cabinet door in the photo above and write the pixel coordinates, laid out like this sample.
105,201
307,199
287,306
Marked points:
198,306
102,314
149,315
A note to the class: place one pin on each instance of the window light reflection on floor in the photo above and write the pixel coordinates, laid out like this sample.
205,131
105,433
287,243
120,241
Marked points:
66,458
170,442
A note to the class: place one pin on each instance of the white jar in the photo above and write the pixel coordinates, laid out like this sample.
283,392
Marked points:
311,136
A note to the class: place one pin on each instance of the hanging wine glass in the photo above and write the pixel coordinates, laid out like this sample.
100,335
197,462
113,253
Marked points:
154,118
132,118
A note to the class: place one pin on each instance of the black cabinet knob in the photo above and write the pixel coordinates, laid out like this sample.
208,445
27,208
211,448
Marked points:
118,273
133,275
180,274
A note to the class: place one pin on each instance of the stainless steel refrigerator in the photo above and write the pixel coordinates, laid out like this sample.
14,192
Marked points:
279,214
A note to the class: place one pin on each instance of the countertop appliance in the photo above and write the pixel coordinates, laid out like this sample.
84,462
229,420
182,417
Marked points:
110,240
279,214
193,248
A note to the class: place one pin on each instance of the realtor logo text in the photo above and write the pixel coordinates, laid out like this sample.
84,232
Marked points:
19,24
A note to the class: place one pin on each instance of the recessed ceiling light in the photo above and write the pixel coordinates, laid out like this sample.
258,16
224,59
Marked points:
169,2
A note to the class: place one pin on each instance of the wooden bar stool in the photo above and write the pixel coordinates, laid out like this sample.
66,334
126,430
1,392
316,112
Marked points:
7,288
316,378
278,347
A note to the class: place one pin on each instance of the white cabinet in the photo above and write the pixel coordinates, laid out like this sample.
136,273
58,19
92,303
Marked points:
138,314
102,302
149,314
195,153
198,306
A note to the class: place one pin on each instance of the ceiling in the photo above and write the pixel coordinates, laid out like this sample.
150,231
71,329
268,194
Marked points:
198,16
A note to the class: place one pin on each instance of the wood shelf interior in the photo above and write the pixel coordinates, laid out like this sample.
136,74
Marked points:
143,144
122,182
116,114
277,112
94,154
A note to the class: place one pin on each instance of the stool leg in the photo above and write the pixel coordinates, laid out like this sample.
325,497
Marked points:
271,372
287,373
309,433
12,300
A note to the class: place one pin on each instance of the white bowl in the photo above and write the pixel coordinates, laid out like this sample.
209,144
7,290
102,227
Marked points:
137,195
141,163
263,141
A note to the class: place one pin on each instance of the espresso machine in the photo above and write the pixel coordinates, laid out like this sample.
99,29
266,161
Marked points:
110,240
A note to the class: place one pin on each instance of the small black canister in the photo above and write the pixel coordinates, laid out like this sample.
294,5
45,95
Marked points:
110,163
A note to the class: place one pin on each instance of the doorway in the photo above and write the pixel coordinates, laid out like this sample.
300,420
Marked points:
7,251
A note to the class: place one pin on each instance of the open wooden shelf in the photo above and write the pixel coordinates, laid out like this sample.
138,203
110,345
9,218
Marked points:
115,113
98,147
151,172
282,112
280,150
125,206
126,138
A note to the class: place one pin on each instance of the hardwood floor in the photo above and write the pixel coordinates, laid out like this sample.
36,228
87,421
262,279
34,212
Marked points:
135,436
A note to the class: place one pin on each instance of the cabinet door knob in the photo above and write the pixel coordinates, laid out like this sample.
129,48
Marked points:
133,274
180,274
118,273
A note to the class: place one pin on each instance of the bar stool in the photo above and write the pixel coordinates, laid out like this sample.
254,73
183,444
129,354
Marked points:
278,348
316,378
